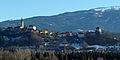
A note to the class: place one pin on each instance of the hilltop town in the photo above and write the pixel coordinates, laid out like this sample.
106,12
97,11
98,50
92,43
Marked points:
29,37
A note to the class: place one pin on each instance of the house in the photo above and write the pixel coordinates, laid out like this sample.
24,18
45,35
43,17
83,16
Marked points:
64,34
32,27
50,33
81,34
44,31
70,34
90,32
37,30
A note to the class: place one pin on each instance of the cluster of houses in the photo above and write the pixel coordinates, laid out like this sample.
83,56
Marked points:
30,28
33,28
47,32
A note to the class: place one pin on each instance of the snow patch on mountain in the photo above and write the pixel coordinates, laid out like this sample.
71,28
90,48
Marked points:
98,13
82,17
107,19
103,9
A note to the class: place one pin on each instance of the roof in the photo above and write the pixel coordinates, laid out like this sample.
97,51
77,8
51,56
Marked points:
43,29
32,26
49,31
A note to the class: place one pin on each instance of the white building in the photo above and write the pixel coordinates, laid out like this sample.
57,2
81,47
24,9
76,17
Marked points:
32,27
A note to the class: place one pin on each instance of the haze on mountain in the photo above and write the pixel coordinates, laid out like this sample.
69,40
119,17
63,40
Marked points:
106,17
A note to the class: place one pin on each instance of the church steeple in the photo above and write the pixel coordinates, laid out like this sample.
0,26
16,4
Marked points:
22,23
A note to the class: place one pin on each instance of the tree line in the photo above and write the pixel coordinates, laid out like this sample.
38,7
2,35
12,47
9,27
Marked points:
36,55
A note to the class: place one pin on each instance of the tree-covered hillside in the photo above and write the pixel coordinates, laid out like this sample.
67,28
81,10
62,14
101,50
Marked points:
107,18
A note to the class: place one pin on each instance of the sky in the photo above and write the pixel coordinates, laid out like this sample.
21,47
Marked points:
15,9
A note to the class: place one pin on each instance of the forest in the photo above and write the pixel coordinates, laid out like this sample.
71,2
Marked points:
28,54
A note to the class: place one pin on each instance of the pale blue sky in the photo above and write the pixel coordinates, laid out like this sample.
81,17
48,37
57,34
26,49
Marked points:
15,9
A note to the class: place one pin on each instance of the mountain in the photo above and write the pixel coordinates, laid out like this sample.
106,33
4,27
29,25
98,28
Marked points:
106,17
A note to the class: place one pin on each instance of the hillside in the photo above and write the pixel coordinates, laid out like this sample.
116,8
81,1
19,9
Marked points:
105,17
27,37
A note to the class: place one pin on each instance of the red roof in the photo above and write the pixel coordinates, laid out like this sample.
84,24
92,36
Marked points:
43,29
49,31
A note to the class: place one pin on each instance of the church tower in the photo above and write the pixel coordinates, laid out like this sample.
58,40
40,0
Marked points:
22,23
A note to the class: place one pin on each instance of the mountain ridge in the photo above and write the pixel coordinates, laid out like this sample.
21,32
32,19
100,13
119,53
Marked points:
71,21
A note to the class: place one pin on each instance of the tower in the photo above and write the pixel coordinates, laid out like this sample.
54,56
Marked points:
22,23
98,30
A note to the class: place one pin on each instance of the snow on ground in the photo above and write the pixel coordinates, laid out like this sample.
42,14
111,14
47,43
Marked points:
16,38
98,46
103,47
77,46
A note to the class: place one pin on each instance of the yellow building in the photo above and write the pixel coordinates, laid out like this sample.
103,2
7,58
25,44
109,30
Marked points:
71,34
